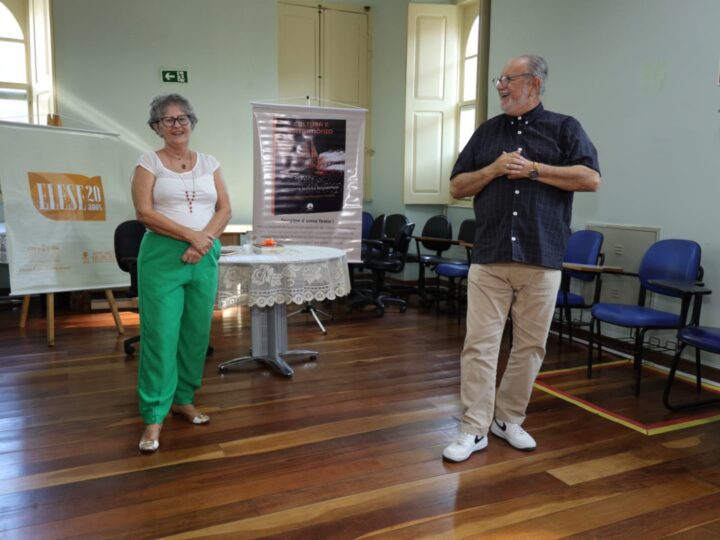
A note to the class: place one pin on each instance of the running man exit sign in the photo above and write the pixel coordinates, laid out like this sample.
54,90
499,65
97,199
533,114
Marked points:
174,76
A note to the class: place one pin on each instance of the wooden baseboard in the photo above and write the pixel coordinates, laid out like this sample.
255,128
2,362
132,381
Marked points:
99,304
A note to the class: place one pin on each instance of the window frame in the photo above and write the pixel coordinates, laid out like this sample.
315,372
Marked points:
39,85
469,12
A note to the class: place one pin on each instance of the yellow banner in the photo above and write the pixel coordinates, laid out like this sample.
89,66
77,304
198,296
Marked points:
67,197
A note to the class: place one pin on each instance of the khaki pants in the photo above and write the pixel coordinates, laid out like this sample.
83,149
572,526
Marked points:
493,290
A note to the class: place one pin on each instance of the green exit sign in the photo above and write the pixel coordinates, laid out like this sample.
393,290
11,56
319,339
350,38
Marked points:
174,76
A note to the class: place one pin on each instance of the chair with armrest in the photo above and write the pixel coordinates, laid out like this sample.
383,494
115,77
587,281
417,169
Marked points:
393,224
666,261
583,247
456,270
434,238
385,257
374,232
701,338
128,236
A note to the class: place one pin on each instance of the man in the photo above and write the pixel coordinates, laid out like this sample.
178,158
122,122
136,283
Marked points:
522,168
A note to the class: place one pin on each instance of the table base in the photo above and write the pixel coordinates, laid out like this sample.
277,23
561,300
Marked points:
269,341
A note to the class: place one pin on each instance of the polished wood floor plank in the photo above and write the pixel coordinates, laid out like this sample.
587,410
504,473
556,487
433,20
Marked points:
348,448
586,471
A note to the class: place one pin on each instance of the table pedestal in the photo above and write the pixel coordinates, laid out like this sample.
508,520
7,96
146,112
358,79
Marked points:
269,340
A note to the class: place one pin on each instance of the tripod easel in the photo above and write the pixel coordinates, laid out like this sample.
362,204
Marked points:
310,308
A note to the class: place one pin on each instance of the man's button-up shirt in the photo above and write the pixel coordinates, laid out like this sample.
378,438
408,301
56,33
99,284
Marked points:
524,220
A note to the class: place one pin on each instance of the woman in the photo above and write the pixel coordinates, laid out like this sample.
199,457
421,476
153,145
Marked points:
180,196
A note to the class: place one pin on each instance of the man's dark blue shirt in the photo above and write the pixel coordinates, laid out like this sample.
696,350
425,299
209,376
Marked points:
525,221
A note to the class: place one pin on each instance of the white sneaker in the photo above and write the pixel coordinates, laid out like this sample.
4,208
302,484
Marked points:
464,446
515,436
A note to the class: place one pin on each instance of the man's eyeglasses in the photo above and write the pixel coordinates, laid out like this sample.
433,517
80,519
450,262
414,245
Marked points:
169,121
507,79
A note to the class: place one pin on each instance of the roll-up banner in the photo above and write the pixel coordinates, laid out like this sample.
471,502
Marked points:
63,195
308,175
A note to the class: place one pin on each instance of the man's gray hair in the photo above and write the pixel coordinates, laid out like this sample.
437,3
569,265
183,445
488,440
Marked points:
159,105
538,67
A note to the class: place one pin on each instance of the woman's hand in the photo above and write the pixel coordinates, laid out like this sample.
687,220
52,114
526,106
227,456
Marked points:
201,241
191,256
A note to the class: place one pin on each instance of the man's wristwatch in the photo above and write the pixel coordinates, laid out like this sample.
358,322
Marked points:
535,173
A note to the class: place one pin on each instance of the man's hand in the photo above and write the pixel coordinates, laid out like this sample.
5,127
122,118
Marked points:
513,165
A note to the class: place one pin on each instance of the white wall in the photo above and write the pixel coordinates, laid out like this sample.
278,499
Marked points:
108,57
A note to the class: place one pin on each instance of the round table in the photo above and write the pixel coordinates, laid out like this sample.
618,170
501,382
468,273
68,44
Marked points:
268,282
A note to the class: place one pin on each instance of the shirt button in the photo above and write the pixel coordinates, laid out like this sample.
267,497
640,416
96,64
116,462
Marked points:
519,117
514,213
526,121
513,238
519,132
517,192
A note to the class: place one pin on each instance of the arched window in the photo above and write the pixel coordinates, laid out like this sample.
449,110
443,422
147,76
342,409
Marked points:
26,79
13,69
467,106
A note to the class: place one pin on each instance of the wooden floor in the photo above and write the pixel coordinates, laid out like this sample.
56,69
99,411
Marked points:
349,448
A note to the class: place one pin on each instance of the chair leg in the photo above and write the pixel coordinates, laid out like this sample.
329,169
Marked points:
591,344
671,379
637,360
561,315
128,345
698,371
568,318
422,289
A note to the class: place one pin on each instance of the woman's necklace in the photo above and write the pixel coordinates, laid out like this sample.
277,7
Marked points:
181,159
189,195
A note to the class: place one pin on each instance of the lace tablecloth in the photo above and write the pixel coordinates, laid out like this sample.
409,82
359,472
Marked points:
297,275
3,244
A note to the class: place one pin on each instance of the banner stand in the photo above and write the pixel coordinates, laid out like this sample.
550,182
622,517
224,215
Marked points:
50,314
62,191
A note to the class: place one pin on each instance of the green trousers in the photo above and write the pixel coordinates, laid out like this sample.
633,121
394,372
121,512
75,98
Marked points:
176,304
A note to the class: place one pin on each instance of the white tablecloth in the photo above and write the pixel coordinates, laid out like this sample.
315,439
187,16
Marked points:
297,275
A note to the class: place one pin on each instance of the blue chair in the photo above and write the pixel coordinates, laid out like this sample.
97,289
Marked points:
583,247
374,230
669,268
702,338
434,240
455,271
367,221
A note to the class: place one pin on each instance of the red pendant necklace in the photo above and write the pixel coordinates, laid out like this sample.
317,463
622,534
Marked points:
189,195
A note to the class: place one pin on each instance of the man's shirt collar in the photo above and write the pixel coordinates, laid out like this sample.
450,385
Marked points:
528,116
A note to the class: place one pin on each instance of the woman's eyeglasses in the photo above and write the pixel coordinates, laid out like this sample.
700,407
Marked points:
169,121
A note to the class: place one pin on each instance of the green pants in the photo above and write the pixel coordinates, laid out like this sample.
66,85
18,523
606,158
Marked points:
176,304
